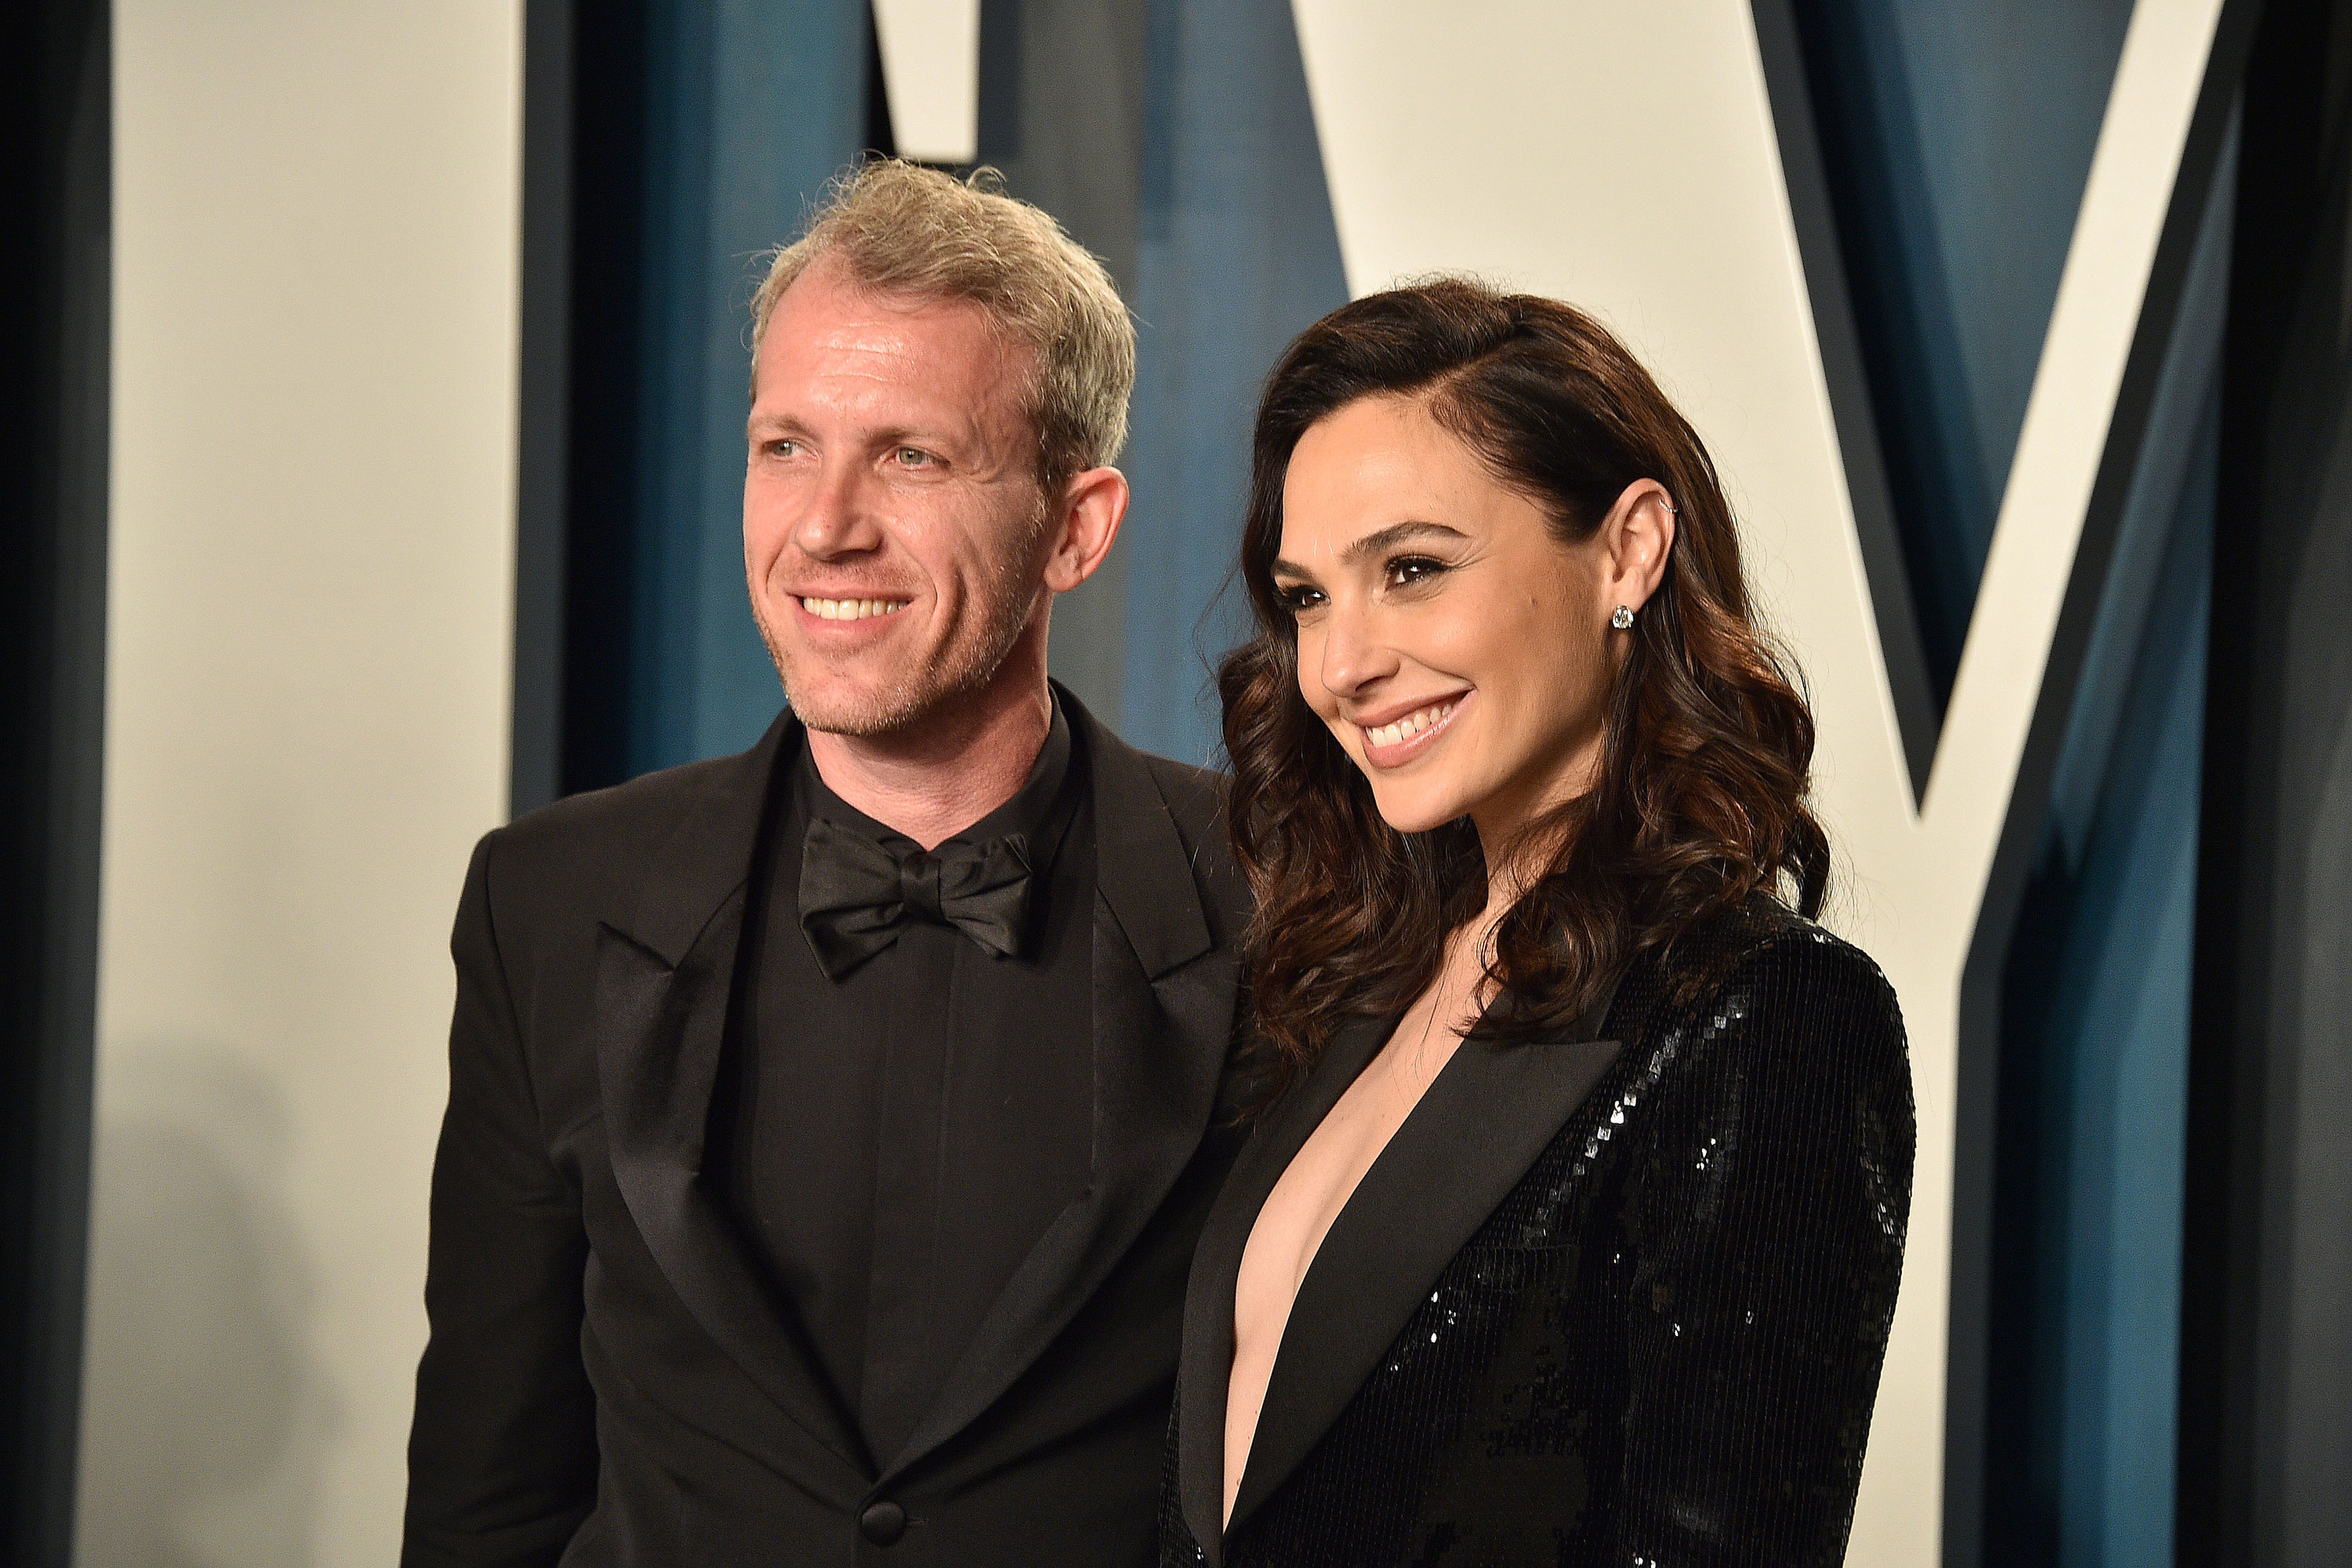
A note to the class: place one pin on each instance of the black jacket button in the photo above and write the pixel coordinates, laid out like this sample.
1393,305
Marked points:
883,1522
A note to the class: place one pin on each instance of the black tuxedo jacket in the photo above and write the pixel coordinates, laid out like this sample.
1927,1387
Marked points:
1600,1301
611,1381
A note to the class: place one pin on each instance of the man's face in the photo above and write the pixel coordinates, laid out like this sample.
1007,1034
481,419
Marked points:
894,532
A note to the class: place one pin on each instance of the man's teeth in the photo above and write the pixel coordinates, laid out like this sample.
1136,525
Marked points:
1410,724
851,609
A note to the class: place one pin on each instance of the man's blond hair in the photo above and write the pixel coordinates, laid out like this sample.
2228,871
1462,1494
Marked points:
899,229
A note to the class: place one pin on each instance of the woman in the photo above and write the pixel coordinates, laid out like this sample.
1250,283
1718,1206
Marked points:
1571,1229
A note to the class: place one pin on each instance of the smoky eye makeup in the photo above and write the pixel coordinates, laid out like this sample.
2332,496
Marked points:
1298,597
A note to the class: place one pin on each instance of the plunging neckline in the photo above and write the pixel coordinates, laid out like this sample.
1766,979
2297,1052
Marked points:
1235,1464
1478,1127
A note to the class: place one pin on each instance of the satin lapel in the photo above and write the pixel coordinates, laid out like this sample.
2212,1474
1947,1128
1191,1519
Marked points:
1202,1393
1163,1020
663,974
1475,1131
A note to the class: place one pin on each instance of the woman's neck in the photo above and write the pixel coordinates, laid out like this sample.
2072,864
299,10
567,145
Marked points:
1515,861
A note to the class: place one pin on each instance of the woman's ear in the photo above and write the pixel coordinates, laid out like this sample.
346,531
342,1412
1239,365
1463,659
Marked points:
1636,538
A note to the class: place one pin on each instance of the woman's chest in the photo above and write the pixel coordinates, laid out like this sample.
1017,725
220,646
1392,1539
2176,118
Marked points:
1324,1174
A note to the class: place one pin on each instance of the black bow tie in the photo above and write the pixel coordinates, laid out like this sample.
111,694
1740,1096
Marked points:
855,894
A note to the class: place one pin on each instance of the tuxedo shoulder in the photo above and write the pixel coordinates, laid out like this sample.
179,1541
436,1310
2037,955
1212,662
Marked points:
1815,963
1784,972
1196,804
1195,796
586,854
1191,800
614,818
1760,930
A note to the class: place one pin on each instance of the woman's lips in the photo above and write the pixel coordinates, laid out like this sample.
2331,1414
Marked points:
1402,739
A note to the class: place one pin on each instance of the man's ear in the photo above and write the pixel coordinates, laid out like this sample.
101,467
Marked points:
1636,538
1091,505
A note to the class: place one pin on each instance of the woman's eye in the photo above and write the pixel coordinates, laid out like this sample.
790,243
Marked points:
1407,570
1298,598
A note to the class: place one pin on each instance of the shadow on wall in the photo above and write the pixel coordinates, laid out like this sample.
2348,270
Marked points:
204,1410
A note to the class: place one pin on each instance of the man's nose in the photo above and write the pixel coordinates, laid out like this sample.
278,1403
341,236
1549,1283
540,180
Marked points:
840,519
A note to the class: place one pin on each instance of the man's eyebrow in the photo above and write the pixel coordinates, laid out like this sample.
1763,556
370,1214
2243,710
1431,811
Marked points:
909,434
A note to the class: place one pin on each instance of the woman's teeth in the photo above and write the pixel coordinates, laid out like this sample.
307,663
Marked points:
1410,725
851,609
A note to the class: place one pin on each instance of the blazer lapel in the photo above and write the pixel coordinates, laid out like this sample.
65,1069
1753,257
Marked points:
1479,1126
1202,1393
662,977
1163,1020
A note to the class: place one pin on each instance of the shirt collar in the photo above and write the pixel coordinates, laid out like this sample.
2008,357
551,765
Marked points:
1038,810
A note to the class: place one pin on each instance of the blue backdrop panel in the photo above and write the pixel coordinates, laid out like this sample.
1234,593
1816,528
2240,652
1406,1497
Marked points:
2095,1059
1237,252
752,105
1956,140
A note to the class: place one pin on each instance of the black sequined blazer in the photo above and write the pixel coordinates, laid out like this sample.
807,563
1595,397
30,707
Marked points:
1617,1300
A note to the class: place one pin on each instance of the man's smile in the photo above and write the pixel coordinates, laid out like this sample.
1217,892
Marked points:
849,609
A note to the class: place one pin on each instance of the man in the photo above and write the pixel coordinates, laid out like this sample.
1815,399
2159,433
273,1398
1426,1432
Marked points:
829,1125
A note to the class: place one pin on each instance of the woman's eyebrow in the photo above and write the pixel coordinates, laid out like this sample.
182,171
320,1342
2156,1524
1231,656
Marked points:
1395,533
1371,543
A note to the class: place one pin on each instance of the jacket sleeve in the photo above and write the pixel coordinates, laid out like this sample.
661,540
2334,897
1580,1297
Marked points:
502,1452
1765,1226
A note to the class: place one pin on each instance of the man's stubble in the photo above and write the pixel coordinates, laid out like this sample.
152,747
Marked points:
964,669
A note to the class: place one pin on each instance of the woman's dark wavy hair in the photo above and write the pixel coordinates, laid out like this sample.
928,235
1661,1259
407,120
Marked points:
1701,798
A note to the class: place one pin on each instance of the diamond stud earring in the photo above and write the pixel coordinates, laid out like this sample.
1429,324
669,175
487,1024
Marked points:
1622,620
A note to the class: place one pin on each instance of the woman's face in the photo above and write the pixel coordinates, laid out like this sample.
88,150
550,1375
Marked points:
1460,652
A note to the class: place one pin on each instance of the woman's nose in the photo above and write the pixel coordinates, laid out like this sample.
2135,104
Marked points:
1354,655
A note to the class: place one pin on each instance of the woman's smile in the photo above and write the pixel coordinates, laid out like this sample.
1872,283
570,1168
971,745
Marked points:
1392,741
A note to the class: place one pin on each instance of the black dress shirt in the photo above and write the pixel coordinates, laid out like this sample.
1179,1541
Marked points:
894,1144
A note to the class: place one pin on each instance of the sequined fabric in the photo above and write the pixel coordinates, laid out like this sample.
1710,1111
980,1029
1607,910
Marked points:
1662,1349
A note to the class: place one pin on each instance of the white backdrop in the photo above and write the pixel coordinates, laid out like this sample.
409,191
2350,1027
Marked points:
1624,157
315,227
